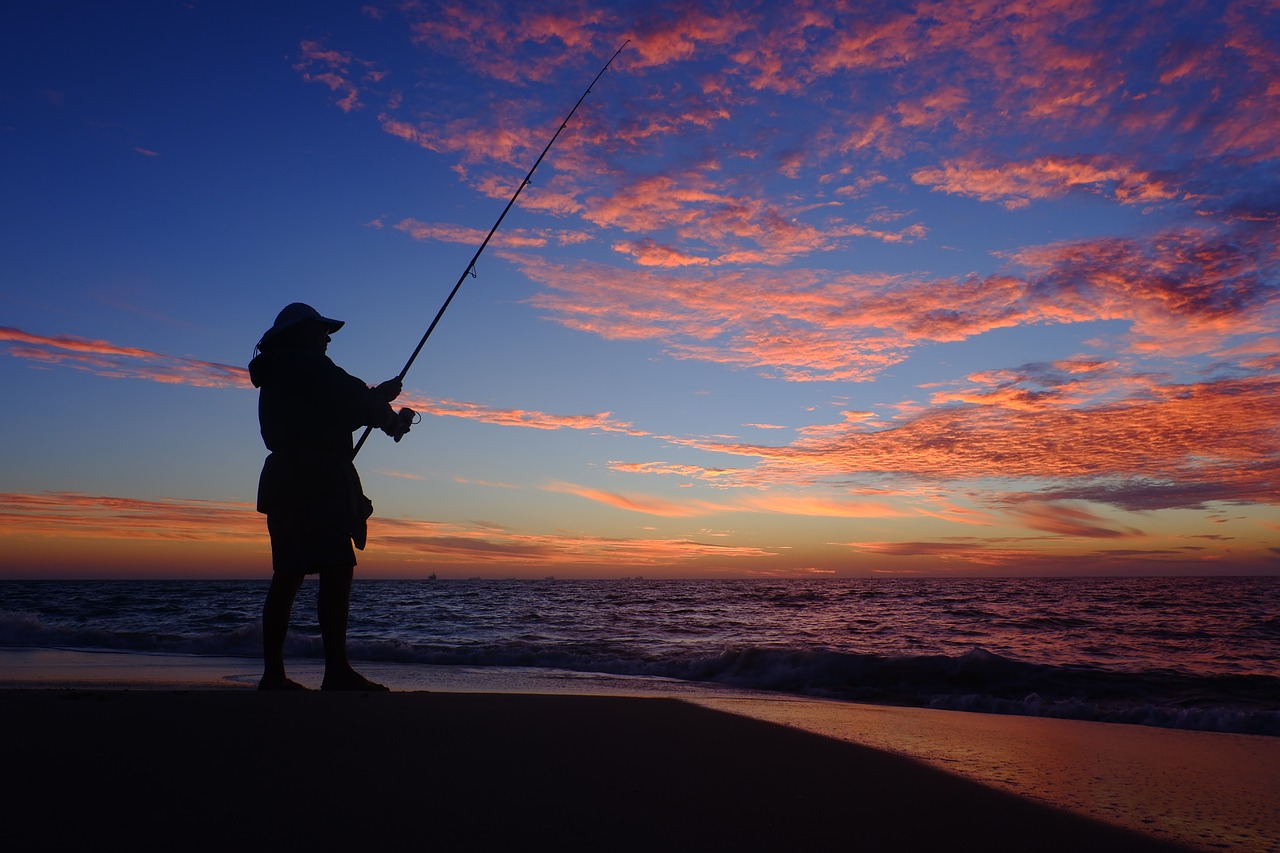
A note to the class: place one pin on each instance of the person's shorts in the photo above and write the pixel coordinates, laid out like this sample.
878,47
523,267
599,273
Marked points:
299,546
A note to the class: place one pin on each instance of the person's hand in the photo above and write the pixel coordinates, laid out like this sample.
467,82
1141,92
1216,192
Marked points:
389,389
398,426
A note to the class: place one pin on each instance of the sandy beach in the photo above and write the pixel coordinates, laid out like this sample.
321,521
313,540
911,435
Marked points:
147,751
151,769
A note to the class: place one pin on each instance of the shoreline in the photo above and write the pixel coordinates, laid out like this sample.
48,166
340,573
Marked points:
1197,789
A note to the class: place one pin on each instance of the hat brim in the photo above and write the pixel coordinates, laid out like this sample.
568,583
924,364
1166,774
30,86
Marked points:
329,324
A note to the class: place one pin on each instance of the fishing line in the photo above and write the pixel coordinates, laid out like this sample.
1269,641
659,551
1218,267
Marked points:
470,270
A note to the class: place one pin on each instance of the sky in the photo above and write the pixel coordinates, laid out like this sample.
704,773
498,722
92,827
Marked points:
816,289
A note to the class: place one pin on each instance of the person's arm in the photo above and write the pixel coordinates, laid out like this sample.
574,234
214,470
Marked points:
371,406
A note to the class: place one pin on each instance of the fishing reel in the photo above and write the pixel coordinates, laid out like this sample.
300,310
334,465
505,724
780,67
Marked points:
405,418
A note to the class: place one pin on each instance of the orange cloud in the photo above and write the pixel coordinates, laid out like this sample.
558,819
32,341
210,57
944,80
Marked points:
478,546
106,359
1169,446
741,229
638,503
68,514
445,233
1016,184
398,545
864,83
1068,520
1192,290
817,506
649,253
763,501
668,468
602,421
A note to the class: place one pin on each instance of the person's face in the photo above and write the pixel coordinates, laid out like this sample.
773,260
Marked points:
315,336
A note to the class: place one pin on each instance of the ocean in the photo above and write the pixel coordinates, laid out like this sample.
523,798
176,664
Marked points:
1196,653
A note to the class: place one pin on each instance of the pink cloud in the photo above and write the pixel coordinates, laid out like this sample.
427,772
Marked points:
1016,184
679,37
106,359
866,80
1189,290
817,506
602,421
671,469
446,233
1168,446
649,253
336,70
487,35
67,514
646,504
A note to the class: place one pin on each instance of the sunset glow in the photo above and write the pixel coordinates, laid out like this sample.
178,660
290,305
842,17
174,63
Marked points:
822,288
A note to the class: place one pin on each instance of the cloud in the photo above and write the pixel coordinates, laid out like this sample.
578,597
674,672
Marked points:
638,503
1170,446
72,515
118,362
697,472
342,72
399,475
727,227
488,36
445,233
649,253
709,215
1067,520
1184,290
820,506
103,358
767,502
1015,184
951,550
476,545
1144,108
1181,291
532,419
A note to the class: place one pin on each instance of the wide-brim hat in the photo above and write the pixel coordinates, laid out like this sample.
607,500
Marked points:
295,313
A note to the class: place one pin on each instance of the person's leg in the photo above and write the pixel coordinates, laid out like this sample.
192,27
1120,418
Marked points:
333,605
275,627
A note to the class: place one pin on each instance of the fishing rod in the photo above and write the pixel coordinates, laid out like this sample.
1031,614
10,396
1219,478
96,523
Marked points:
470,270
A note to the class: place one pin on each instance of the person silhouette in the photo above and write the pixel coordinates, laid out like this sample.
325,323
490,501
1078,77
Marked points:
309,489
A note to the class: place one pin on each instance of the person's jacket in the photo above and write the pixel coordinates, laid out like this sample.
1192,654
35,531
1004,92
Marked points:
308,408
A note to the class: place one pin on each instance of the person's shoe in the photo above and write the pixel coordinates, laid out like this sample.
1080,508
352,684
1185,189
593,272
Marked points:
353,681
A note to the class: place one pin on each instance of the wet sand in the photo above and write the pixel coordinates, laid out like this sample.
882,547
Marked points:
210,769
1207,790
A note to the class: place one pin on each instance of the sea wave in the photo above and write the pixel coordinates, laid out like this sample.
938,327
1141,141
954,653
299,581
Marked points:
976,680
1191,653
19,628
